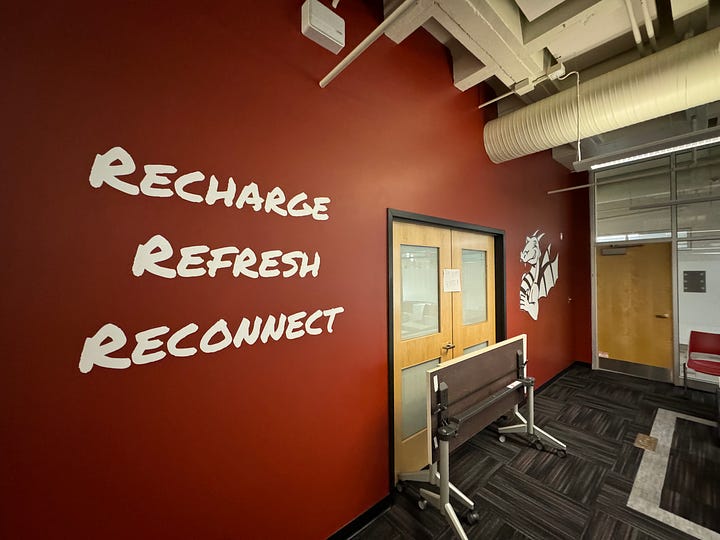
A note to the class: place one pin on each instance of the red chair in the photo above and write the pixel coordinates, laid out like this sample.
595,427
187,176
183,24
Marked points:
704,357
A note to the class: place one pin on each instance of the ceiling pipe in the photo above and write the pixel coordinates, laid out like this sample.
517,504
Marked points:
635,28
494,100
678,78
365,43
649,28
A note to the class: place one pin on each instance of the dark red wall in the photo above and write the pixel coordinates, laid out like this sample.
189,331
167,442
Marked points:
278,440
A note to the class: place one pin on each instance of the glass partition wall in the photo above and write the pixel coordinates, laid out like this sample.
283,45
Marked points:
697,178
657,261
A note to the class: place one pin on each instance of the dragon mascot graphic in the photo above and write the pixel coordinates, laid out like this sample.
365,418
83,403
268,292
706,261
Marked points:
540,278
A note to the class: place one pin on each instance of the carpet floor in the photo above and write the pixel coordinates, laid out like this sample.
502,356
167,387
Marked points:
521,493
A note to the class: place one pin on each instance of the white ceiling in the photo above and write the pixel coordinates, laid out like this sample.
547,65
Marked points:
512,44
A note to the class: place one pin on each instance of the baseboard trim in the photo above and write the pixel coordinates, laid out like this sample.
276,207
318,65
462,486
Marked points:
653,373
703,386
363,520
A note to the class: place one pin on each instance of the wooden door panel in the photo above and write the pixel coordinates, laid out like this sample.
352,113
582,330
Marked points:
474,332
410,450
634,305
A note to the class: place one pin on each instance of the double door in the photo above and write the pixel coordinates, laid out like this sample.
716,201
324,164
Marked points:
443,307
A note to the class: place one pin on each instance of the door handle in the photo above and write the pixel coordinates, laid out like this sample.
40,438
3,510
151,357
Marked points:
448,346
662,315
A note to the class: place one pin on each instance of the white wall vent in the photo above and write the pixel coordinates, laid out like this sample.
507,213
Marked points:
323,25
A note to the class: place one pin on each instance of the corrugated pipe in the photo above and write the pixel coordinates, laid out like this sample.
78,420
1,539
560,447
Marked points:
683,76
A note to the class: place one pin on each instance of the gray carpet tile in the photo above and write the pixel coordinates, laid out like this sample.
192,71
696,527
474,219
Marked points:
640,427
490,526
613,392
589,446
593,420
531,507
692,481
612,500
472,468
380,529
521,493
548,407
618,409
602,526
563,391
407,518
487,441
573,476
628,460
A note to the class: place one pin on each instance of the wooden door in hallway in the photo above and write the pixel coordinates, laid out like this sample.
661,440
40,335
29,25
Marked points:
634,304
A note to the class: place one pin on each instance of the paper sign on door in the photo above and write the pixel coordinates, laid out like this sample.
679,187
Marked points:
451,280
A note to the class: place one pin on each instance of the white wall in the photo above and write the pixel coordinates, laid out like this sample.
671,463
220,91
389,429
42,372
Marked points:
698,311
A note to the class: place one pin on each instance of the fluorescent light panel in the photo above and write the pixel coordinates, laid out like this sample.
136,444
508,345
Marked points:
656,153
632,237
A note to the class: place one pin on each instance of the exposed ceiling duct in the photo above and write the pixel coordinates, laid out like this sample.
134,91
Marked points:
519,47
680,77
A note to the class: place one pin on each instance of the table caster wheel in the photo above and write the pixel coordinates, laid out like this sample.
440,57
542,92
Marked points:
539,446
502,438
471,518
399,487
562,453
422,504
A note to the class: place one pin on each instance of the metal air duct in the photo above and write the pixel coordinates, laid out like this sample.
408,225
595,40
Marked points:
680,77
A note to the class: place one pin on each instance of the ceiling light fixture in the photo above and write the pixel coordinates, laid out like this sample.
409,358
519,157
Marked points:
655,153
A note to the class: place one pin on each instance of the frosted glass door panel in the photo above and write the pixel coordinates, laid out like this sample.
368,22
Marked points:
474,286
414,407
474,348
420,291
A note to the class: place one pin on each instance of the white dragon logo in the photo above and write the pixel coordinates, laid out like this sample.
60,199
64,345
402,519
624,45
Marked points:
543,273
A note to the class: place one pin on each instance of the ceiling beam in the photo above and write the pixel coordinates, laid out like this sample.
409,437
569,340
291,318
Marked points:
468,71
485,59
492,31
411,20
540,32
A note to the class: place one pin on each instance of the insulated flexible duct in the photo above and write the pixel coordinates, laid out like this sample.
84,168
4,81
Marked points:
680,77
